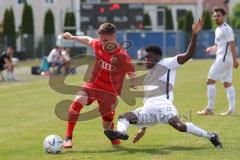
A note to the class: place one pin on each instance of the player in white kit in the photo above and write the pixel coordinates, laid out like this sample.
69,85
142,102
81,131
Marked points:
158,96
226,60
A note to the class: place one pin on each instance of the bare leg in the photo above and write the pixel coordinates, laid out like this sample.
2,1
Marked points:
176,123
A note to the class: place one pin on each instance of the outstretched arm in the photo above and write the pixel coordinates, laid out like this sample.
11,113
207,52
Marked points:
196,27
139,135
82,39
130,69
133,79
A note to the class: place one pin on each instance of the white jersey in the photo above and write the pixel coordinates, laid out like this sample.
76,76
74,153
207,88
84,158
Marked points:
159,82
53,56
223,35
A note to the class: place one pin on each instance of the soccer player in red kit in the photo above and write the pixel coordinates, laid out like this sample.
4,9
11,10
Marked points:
111,65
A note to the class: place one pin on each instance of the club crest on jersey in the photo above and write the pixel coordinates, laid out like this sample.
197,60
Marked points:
106,66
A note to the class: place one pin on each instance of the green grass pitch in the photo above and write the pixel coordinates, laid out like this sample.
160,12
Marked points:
27,117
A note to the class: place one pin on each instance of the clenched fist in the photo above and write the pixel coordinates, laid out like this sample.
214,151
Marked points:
67,36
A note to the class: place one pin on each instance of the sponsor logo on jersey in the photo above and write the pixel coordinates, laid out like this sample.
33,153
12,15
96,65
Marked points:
106,66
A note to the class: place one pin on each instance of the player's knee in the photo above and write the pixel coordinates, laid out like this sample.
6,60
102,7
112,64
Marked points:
11,67
181,127
210,81
227,84
81,98
130,116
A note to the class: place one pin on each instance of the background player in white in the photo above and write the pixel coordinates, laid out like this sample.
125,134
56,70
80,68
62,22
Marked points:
226,60
158,96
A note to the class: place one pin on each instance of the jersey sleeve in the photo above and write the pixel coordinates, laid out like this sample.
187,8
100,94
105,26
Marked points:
172,62
93,43
127,62
228,32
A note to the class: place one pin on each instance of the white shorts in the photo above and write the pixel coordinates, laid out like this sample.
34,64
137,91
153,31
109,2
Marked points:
221,71
157,112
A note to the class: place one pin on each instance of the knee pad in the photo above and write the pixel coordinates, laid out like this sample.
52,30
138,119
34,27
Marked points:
81,97
130,116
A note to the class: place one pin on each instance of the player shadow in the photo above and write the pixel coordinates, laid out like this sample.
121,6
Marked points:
149,149
162,150
234,115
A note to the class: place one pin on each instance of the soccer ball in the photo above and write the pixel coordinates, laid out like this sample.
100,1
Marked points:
53,144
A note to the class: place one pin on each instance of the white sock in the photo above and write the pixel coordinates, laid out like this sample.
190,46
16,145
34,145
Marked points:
122,125
211,91
231,98
9,75
194,130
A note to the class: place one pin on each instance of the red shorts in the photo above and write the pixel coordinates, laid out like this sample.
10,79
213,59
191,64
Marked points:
107,101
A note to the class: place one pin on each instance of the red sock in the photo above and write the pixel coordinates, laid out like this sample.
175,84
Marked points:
112,125
108,118
73,114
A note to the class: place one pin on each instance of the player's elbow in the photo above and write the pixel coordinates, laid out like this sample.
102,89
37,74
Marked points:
183,58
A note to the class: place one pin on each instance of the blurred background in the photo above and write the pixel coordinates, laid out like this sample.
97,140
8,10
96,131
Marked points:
32,27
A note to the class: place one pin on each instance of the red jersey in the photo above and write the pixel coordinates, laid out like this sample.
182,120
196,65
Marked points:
109,68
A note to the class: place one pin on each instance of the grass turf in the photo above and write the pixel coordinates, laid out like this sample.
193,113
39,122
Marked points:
27,117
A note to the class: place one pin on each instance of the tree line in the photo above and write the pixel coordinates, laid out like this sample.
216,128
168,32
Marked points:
26,30
186,20
27,24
